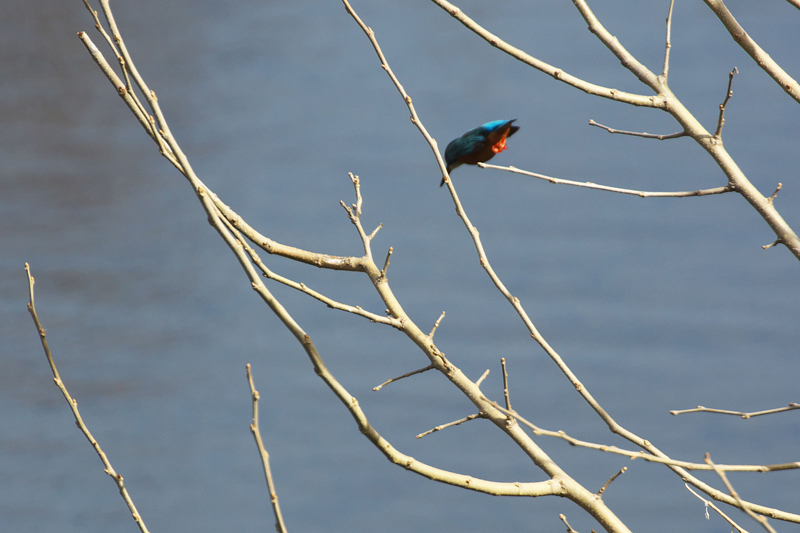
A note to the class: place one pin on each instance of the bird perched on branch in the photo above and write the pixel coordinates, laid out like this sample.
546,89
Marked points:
478,145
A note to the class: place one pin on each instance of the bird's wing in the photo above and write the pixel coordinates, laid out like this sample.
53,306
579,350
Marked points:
472,141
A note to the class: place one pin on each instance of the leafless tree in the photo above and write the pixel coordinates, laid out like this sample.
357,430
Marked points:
247,243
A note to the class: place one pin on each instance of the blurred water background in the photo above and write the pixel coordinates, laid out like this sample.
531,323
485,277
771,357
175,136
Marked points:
656,304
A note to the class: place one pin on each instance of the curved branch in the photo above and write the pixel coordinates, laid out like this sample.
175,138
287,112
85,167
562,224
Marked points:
550,70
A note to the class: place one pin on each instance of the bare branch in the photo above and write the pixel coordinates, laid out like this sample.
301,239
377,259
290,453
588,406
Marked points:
505,383
386,263
302,287
665,70
398,378
661,458
73,405
724,104
450,424
127,96
760,519
611,480
590,185
280,526
737,180
709,503
480,379
375,231
436,325
612,43
396,457
700,409
569,527
774,195
555,72
320,260
761,58
660,137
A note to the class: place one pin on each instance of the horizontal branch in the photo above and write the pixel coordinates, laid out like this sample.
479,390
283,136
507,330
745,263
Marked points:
590,185
660,137
450,424
700,409
663,459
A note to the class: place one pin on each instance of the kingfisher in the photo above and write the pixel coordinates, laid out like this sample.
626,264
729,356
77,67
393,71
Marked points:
478,145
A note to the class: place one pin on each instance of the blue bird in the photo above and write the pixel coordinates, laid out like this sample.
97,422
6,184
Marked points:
478,145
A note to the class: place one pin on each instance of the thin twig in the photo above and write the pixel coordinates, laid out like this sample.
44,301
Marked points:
398,378
505,383
772,197
280,526
569,527
480,379
375,231
73,405
709,503
610,480
665,70
450,424
659,136
760,519
773,243
590,185
386,263
436,325
700,409
724,104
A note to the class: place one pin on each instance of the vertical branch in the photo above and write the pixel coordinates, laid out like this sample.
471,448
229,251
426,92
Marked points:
724,104
665,70
505,383
280,526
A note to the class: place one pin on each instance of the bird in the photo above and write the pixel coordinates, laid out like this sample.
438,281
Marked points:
478,145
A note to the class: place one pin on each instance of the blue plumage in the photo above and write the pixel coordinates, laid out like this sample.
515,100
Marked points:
478,145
